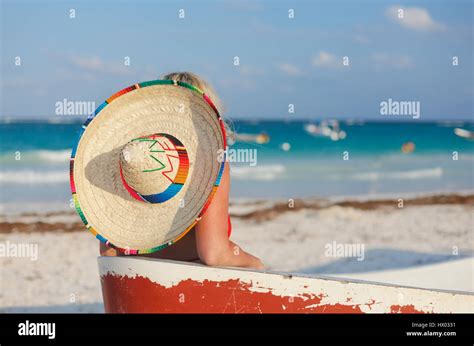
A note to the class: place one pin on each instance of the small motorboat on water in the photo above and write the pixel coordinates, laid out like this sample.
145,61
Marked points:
146,285
464,133
259,138
326,128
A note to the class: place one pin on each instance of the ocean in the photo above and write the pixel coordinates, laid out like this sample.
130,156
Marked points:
295,163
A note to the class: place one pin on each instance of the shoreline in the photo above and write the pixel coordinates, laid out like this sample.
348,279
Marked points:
257,210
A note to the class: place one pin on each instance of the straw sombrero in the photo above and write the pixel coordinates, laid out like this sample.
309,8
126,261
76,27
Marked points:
145,166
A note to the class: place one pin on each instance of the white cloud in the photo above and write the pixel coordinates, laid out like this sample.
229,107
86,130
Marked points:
76,75
289,69
96,64
397,61
416,18
88,63
247,70
325,59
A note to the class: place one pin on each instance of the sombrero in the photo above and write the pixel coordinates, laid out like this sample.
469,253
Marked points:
146,165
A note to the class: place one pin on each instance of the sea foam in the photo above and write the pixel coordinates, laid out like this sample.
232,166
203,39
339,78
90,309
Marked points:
33,177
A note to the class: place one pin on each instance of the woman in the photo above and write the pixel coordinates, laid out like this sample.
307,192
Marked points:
209,241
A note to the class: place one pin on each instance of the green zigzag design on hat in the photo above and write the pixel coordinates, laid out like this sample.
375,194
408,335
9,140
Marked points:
152,151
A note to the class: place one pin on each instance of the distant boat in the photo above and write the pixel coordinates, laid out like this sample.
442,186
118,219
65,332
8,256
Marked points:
450,123
464,133
352,122
328,129
259,138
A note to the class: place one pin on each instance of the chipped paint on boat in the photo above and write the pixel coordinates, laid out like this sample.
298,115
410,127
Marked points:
144,285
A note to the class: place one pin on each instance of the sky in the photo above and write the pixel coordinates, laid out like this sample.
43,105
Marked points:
77,50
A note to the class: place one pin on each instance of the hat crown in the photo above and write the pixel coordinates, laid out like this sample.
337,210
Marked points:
150,164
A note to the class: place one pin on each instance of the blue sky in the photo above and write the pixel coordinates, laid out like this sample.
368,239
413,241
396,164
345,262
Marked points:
282,61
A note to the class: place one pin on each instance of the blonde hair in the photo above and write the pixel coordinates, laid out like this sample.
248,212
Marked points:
195,80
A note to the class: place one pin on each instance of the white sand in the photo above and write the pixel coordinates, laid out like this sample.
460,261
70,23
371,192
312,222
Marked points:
434,276
296,241
65,276
63,279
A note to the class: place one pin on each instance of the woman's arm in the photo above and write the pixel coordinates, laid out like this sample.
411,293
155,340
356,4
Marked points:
210,239
213,245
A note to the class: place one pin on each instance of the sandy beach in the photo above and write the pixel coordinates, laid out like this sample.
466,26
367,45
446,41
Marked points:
311,236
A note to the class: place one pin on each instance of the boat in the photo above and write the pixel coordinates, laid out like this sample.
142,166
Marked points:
464,133
145,285
329,129
259,138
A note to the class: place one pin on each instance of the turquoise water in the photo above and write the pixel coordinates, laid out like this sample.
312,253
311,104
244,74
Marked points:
34,160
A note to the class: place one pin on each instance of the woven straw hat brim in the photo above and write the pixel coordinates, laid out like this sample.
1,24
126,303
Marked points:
101,199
